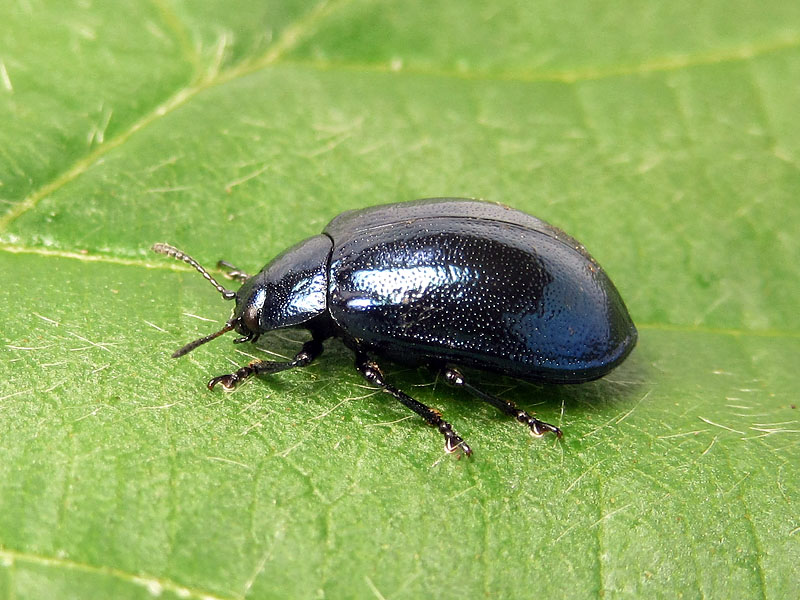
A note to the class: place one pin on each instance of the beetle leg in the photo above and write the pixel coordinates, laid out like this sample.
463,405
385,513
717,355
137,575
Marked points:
372,373
232,271
538,428
311,350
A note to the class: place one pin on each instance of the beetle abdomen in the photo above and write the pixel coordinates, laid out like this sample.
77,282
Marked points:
481,292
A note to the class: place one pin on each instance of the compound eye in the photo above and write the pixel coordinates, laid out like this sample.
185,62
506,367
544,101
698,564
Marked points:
249,318
251,313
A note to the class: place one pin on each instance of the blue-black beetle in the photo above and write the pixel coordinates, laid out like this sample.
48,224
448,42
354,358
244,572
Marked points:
442,282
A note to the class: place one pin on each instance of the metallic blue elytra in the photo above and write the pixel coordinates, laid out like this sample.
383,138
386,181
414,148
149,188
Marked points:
475,284
446,283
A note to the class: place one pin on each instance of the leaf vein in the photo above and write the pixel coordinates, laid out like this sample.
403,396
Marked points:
290,37
745,52
760,575
180,31
11,557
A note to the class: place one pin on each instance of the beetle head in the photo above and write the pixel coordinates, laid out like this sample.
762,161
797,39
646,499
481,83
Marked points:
290,290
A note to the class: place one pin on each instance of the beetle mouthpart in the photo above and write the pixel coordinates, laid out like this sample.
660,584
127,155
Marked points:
192,345
173,252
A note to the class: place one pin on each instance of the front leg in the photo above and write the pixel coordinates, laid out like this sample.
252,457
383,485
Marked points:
232,271
311,350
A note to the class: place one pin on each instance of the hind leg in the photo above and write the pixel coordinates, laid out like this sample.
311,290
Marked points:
373,374
538,428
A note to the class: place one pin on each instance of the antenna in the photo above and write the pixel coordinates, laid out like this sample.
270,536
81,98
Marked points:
227,294
179,255
192,345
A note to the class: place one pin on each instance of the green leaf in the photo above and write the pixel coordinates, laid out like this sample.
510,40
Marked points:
665,138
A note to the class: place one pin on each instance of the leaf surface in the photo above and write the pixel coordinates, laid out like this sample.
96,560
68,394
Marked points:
665,139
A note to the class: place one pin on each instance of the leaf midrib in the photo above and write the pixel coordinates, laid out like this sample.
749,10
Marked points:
293,34
169,266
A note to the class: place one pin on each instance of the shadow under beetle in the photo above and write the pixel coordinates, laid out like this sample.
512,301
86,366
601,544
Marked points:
442,282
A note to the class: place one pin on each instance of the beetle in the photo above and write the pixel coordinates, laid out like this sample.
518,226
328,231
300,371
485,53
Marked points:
447,283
